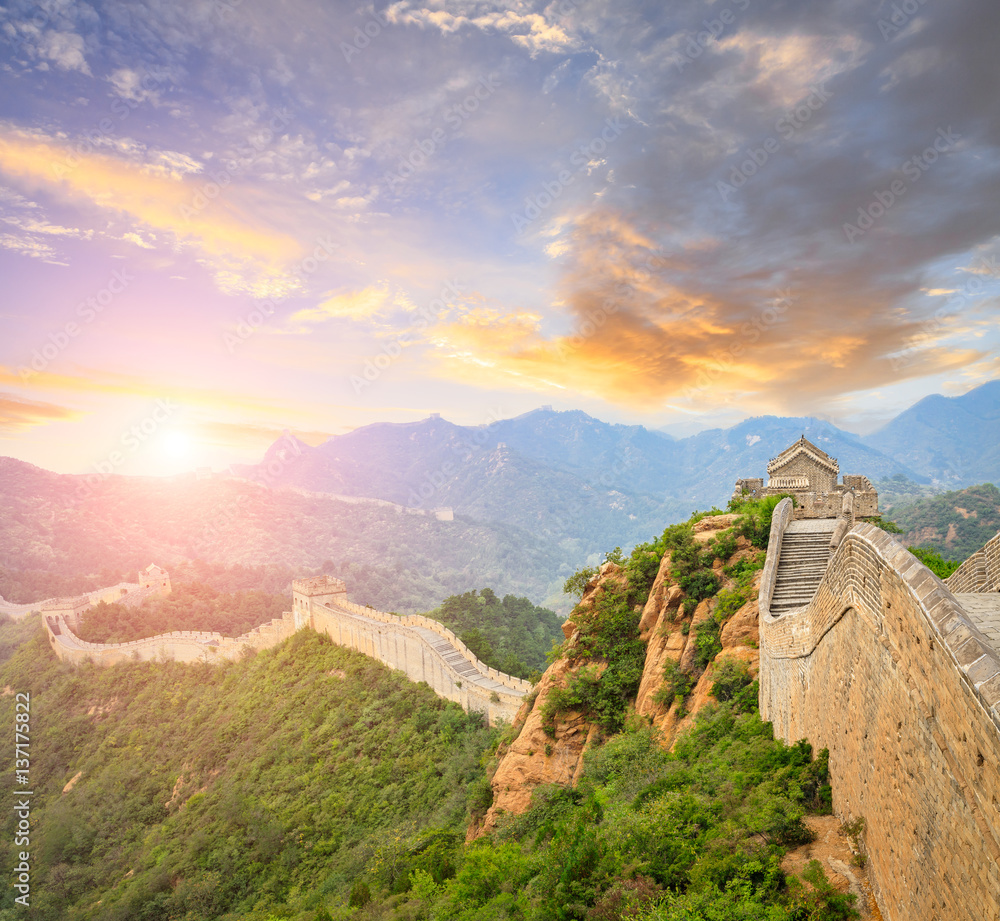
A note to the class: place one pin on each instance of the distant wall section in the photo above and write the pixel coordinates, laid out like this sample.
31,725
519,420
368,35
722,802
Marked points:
980,572
423,649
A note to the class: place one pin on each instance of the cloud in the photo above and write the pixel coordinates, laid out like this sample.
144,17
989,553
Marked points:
90,382
651,329
29,246
246,253
17,414
65,49
534,32
364,304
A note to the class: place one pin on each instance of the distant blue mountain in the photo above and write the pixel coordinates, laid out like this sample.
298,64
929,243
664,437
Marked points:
565,473
954,441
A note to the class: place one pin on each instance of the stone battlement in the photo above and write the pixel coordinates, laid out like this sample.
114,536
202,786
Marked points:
888,670
422,648
810,475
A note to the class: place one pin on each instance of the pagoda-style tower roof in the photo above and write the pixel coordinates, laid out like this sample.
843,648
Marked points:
803,447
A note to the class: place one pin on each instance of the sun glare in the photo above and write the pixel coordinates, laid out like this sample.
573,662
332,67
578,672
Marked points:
176,444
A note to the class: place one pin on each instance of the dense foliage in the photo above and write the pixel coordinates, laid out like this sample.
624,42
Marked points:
609,650
231,790
933,560
953,524
755,517
189,606
511,634
694,834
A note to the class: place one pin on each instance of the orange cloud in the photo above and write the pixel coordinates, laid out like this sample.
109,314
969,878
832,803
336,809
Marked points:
108,383
653,329
353,305
17,415
227,234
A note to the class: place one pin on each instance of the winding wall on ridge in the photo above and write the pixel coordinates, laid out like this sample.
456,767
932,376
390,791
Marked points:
886,669
423,649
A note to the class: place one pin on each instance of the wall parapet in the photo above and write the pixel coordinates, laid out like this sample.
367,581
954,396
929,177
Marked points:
396,641
780,518
980,572
418,620
179,645
886,670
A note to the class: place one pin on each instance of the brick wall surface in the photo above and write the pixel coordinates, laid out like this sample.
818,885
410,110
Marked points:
395,641
886,671
821,479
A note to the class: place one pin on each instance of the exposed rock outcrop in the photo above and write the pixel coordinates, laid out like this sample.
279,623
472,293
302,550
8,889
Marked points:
537,757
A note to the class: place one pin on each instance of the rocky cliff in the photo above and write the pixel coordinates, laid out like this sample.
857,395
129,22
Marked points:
542,753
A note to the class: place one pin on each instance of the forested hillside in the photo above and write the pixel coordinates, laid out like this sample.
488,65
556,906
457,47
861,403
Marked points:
310,783
225,791
509,634
60,527
955,524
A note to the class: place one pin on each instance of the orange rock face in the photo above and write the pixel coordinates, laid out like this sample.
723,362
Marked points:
658,601
710,527
741,628
536,758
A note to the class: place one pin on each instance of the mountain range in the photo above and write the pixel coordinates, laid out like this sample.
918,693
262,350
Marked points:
534,497
478,470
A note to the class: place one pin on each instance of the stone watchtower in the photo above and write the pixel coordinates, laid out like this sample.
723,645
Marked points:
810,475
70,609
153,577
320,589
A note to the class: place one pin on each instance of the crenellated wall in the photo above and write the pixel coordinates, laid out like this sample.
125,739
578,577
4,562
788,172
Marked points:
179,646
886,670
423,649
980,572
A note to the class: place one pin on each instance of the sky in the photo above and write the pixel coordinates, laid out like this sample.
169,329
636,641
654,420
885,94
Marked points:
221,220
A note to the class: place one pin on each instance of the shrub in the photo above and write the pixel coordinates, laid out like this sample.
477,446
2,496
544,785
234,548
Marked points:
724,546
754,522
707,642
933,560
728,602
699,584
890,527
676,684
576,584
731,677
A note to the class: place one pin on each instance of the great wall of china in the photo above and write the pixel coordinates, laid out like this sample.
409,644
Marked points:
898,674
863,651
423,649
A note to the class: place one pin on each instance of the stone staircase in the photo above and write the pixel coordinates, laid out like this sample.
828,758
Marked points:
456,660
805,552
